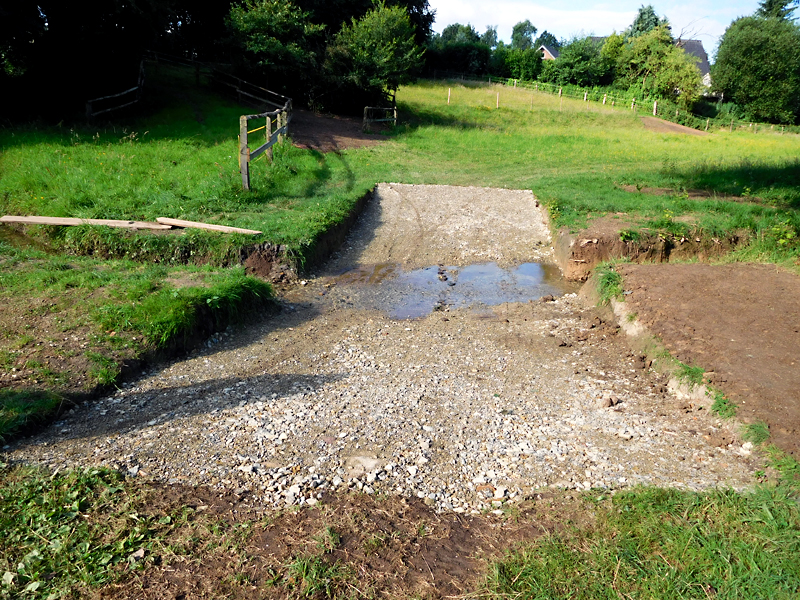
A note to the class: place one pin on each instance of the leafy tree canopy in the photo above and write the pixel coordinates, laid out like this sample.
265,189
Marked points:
276,32
646,20
547,39
522,35
489,38
758,68
376,52
779,9
580,63
457,33
655,65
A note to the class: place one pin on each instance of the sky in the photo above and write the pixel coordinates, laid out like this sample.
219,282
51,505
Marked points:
705,20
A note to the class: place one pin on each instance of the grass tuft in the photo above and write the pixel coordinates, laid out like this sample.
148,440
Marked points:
757,432
723,406
609,284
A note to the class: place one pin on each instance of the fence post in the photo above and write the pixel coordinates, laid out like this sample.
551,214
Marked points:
268,134
448,96
244,153
498,100
604,99
655,107
633,103
89,110
676,113
365,120
585,96
707,121
394,114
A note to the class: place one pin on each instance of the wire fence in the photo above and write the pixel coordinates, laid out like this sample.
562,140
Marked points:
647,105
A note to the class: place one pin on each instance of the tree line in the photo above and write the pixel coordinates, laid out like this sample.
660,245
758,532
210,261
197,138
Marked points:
339,55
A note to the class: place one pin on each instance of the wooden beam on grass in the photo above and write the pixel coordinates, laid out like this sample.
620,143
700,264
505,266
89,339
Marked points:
73,221
209,226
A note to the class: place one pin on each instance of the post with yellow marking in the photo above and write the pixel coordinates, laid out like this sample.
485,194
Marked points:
244,153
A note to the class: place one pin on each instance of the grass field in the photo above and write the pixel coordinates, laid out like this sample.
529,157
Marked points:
122,295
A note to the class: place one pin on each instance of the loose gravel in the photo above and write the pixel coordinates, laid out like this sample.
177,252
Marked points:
470,408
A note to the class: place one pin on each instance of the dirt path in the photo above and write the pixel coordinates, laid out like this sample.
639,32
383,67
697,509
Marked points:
329,134
741,323
467,407
661,126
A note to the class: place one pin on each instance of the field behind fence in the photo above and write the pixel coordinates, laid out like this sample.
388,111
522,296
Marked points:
617,99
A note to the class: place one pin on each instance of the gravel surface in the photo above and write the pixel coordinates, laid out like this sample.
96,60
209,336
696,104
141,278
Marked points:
469,408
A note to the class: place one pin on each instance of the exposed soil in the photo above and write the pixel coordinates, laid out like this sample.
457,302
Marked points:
660,126
330,133
393,547
741,323
578,253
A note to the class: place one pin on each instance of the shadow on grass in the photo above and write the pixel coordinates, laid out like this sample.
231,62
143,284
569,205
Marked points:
778,184
24,411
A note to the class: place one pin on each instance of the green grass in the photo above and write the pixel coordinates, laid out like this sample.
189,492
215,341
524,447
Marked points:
23,409
690,373
609,284
757,432
658,543
64,532
723,406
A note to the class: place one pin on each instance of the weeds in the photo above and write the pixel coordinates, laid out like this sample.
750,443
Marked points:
690,374
723,406
609,284
757,432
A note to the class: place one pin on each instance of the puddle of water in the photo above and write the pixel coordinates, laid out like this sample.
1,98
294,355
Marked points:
413,294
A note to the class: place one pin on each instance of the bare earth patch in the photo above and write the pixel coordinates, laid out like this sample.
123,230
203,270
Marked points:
740,322
657,125
329,133
394,547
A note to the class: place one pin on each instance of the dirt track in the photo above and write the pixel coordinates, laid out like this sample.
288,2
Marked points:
467,407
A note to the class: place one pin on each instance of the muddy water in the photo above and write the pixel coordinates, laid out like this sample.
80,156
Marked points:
416,293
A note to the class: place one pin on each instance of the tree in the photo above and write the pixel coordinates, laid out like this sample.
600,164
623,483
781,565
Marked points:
276,32
376,53
547,39
522,35
524,64
456,33
652,63
489,38
580,63
779,9
758,68
646,20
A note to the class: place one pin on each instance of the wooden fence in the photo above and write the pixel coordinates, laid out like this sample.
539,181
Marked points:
275,122
279,119
117,101
369,112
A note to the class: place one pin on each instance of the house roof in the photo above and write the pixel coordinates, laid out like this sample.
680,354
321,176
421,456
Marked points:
552,51
695,48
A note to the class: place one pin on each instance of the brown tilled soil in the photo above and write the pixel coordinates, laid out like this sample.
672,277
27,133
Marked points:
740,323
375,547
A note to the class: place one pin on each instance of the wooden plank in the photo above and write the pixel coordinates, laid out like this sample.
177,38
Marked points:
73,221
196,225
